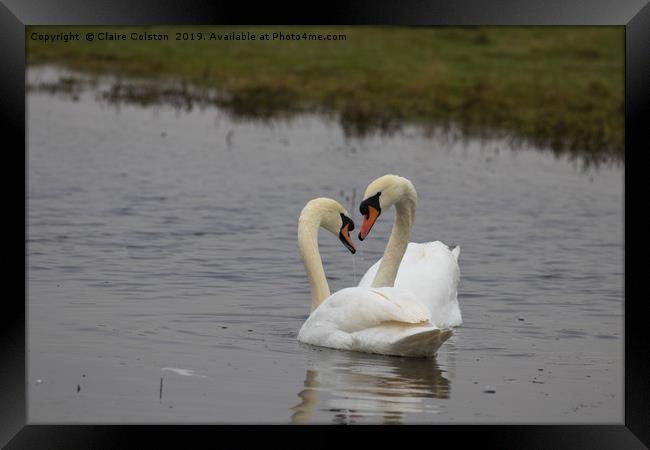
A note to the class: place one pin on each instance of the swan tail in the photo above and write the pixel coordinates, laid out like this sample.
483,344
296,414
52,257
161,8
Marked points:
424,344
456,252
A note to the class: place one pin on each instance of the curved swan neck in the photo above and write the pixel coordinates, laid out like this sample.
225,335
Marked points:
308,226
399,237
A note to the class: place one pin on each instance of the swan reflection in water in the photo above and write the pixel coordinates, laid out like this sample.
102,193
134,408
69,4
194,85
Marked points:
353,387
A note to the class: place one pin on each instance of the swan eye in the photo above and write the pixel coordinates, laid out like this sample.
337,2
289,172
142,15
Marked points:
347,221
370,202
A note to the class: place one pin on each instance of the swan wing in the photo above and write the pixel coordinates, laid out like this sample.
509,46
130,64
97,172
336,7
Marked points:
354,309
431,272
395,338
382,313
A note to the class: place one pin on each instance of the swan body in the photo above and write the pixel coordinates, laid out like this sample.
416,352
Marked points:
429,270
384,320
374,320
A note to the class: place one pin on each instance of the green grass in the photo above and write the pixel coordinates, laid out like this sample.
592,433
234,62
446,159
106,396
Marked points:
561,87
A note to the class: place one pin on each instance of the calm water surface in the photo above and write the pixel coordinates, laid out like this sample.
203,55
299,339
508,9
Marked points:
164,282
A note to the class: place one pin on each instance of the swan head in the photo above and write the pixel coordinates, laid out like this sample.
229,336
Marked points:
380,195
332,216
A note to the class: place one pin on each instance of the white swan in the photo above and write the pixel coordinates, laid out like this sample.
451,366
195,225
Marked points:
382,320
429,270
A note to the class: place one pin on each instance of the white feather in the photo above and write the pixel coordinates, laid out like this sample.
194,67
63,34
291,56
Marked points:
374,320
430,271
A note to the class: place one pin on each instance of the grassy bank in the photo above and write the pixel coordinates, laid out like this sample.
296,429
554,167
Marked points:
557,86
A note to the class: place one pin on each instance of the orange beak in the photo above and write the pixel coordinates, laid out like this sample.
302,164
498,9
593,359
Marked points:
368,221
345,238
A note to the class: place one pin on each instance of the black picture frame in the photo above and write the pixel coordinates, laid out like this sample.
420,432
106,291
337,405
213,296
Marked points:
15,15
